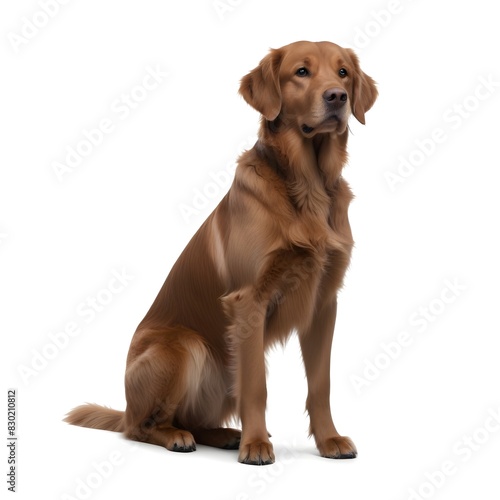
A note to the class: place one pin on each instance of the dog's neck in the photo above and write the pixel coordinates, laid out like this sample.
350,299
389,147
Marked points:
331,156
310,167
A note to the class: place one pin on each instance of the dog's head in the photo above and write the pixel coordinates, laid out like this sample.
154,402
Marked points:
312,86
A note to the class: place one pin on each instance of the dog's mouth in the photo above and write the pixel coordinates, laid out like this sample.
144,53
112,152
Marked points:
324,126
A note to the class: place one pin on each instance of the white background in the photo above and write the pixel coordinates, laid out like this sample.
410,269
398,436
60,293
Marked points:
120,209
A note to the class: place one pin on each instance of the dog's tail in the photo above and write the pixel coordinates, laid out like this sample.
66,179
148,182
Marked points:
97,417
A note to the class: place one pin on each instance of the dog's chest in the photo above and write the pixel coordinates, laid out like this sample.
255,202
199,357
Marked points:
317,229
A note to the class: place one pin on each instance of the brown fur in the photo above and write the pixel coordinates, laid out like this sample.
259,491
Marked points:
269,260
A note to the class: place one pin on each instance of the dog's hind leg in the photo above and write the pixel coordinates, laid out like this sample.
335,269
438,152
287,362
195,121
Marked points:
163,374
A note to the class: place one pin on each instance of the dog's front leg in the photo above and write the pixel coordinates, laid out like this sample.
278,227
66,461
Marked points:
316,345
246,335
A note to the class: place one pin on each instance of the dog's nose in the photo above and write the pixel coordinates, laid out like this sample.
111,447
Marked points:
335,97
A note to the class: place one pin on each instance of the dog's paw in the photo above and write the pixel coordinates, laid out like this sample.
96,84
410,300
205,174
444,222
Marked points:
337,447
232,439
256,453
180,441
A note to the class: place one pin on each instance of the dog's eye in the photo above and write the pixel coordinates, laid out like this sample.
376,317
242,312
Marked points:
302,72
342,72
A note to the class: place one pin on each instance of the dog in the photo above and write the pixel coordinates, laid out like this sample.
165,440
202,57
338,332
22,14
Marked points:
267,262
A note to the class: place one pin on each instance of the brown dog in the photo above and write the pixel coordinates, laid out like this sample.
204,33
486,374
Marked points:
269,260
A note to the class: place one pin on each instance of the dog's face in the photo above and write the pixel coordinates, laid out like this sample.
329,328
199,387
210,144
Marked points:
311,86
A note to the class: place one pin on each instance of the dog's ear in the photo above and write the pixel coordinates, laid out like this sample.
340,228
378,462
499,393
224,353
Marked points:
364,91
261,87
